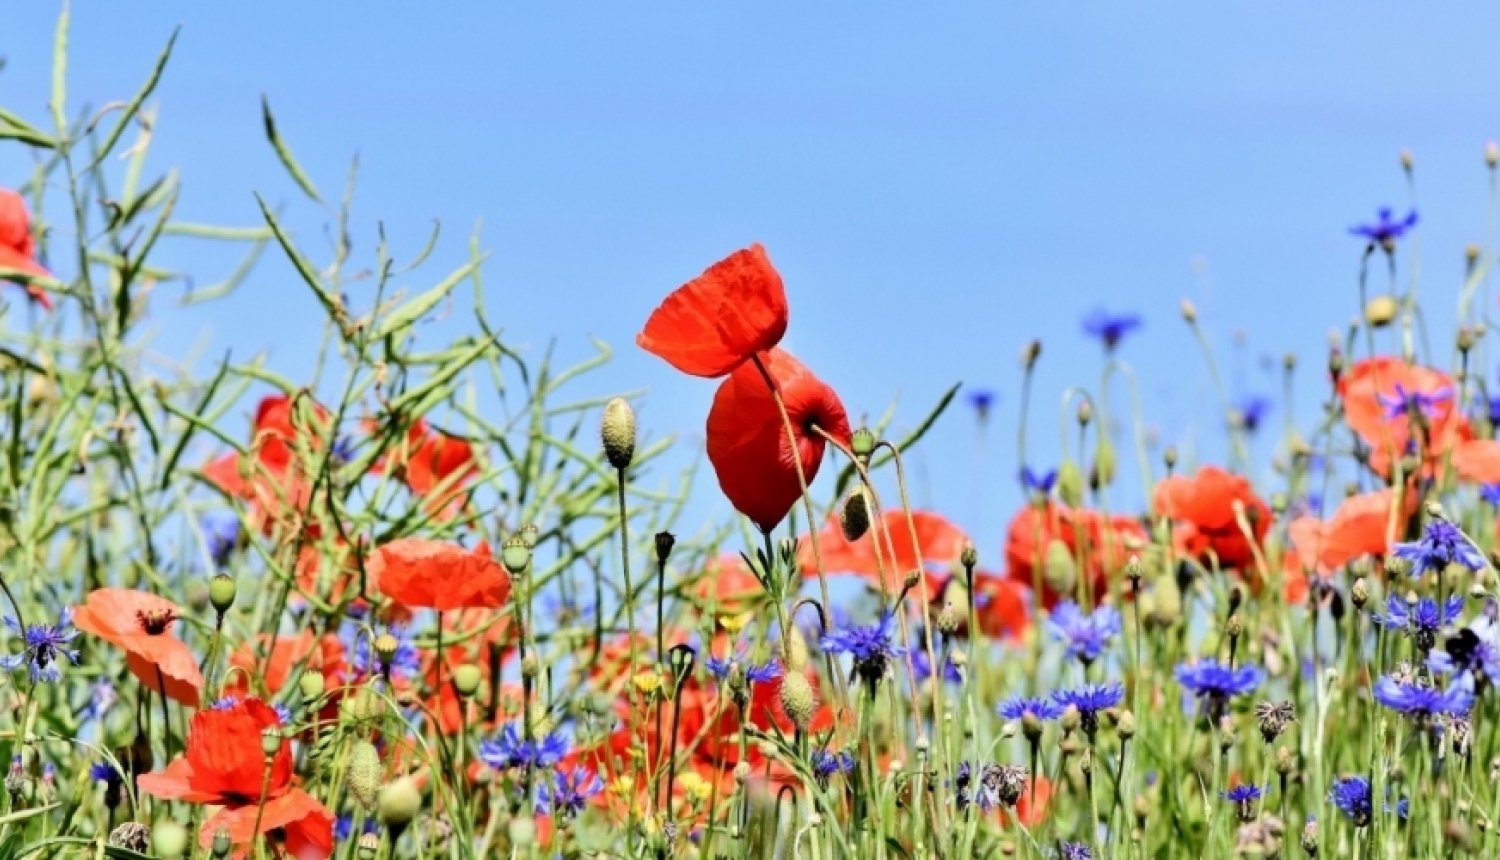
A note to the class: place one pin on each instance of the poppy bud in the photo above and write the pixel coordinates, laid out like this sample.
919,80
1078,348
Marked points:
796,651
618,432
1070,484
530,668
1167,605
1104,463
1032,352
169,839
1380,311
466,680
311,684
365,772
1491,154
797,699
1059,571
862,443
221,843
221,592
664,543
369,845
515,554
854,516
522,832
399,803
132,836
270,742
1189,311
1085,413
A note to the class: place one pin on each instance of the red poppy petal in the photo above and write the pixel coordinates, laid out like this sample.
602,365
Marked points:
714,323
307,825
13,259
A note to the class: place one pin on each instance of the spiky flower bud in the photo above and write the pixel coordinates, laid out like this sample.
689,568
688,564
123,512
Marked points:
797,699
221,591
169,839
1059,570
1234,628
796,651
399,802
1359,593
365,773
1070,483
1310,838
968,556
862,443
1134,570
1169,457
1125,727
854,516
1071,719
1105,465
618,432
515,554
1189,311
1285,761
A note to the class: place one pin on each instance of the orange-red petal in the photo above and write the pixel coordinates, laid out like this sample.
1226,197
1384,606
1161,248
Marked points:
715,322
439,575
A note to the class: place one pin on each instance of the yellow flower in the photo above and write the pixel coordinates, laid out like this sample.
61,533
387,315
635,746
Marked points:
735,623
696,787
647,682
624,785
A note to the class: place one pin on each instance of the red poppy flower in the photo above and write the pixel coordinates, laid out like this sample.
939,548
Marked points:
747,441
431,459
728,587
1107,543
1000,605
1477,461
224,766
17,247
1382,395
437,575
940,541
271,479
303,652
1364,525
716,322
137,623
1204,505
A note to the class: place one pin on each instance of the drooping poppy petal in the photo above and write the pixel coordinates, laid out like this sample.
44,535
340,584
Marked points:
1105,544
430,460
139,624
324,655
729,587
224,750
1205,504
747,442
271,479
17,247
1477,461
1364,525
1001,606
438,575
717,321
940,543
305,825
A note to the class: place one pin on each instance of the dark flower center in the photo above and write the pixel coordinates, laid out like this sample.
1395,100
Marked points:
156,621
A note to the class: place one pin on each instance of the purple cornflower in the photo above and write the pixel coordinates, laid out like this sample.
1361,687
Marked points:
1420,701
922,667
1090,700
1243,797
1038,482
870,647
568,794
825,764
1018,707
1442,544
405,663
221,532
1215,683
1084,634
1406,403
1490,493
1076,851
1353,798
44,648
1466,651
1385,230
767,671
343,827
982,399
510,750
102,697
283,713
1251,411
1421,620
343,449
1110,328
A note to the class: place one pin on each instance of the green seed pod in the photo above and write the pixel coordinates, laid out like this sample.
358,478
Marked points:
1104,463
1167,606
1060,571
399,803
466,680
862,443
169,839
522,832
221,844
515,555
1070,484
270,742
369,845
221,591
797,699
365,773
618,432
854,516
311,684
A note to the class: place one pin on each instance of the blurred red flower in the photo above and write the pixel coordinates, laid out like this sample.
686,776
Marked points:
1383,395
431,459
728,587
303,652
747,441
17,247
438,575
1204,507
271,479
137,623
717,321
225,766
939,540
1107,543
1364,525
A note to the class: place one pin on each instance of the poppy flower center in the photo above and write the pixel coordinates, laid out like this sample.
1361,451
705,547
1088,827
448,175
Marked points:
156,621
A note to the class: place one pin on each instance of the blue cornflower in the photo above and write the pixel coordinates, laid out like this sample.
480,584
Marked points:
1406,403
1110,328
221,532
406,663
922,667
102,697
103,771
1420,701
567,794
1018,707
1244,797
1421,620
1038,482
1442,544
1213,680
45,646
1090,700
1353,798
343,827
870,647
1385,230
767,671
1251,411
509,749
1076,851
1085,635
825,764
283,713
1490,493
343,449
982,399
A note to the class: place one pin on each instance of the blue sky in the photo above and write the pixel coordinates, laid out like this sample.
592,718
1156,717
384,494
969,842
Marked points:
938,185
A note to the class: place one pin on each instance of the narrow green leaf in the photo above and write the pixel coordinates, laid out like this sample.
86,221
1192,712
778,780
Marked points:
421,305
849,473
209,231
60,73
304,267
285,154
140,97
29,137
442,377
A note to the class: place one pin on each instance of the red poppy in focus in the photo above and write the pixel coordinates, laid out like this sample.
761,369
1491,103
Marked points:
747,441
1395,407
303,652
431,459
271,479
717,321
438,575
17,247
137,623
1204,506
224,766
940,542
1108,543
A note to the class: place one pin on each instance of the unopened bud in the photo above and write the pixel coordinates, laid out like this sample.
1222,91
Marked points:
399,803
169,839
797,699
854,516
221,592
618,432
311,683
1085,413
1060,571
664,543
1380,311
1359,593
862,443
968,556
1189,311
1169,457
1491,154
1070,719
515,555
365,773
1032,352
466,678
1125,727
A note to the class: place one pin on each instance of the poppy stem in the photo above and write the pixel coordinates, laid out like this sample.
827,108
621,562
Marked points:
260,808
14,605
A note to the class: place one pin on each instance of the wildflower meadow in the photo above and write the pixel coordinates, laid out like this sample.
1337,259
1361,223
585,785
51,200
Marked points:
361,613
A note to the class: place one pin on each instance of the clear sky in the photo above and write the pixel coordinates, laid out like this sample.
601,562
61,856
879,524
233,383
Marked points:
938,183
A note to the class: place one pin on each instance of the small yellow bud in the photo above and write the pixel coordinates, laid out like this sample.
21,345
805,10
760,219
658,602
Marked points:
1381,311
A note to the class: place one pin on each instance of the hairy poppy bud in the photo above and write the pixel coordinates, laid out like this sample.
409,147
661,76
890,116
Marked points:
169,839
221,592
364,774
854,516
221,844
522,832
1491,154
618,432
1059,570
796,651
466,680
664,543
1104,463
369,846
1070,484
515,555
797,699
1189,311
364,704
1167,608
399,803
1380,311
862,443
